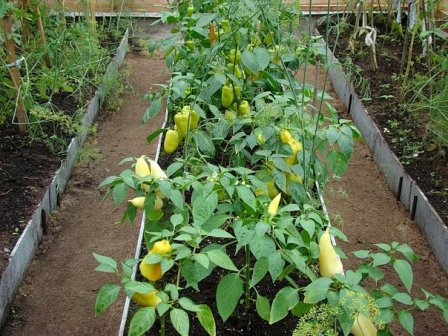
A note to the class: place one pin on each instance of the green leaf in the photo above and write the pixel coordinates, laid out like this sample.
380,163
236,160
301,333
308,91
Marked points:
228,293
301,308
404,271
247,196
263,307
361,254
138,287
174,167
384,302
338,163
109,180
407,251
188,304
107,261
152,110
403,298
407,321
119,193
142,321
221,259
107,294
309,226
286,299
151,137
259,271
180,321
219,233
205,317
317,290
380,259
421,304
204,142
276,265
202,259
385,247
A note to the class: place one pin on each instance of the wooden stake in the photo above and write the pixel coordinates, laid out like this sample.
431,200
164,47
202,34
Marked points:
25,25
11,57
43,38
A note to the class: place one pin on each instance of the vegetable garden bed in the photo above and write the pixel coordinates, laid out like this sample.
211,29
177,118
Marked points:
417,178
33,175
233,226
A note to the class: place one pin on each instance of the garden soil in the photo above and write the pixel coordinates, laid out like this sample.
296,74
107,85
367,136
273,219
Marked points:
58,294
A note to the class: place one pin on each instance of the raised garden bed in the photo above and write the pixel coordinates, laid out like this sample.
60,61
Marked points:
233,227
21,255
417,183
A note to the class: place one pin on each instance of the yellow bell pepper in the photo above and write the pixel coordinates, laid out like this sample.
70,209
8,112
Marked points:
171,141
152,272
363,326
162,247
329,262
226,96
147,300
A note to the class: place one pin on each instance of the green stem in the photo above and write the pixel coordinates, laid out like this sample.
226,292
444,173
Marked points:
162,325
247,249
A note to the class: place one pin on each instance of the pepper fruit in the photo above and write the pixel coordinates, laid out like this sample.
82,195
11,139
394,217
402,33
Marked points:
237,90
194,117
147,299
190,11
152,272
285,136
190,44
244,109
235,69
142,167
156,171
296,146
181,121
227,96
329,262
171,141
234,56
260,138
273,206
363,326
226,25
162,247
139,203
230,116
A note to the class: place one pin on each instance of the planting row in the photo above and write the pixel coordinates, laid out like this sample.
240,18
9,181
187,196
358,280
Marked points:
236,239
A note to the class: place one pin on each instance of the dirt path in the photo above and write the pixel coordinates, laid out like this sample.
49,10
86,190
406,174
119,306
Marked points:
368,212
58,294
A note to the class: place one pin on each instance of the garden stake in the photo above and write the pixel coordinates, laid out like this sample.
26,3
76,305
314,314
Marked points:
40,27
247,298
11,57
25,26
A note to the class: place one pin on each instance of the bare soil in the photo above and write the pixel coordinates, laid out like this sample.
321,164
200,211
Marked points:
58,294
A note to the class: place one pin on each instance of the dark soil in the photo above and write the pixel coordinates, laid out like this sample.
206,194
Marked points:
28,164
405,131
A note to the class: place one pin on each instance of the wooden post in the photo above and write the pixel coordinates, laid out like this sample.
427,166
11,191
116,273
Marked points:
43,38
25,25
11,57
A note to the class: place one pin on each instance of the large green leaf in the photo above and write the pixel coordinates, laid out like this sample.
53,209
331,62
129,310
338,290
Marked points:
107,294
407,321
286,299
180,321
228,293
207,320
142,321
263,307
317,290
221,259
152,110
404,271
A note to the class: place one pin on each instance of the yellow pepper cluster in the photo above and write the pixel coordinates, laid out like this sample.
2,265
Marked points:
143,169
184,121
152,272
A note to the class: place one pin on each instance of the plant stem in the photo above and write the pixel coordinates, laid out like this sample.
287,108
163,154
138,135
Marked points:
247,249
162,325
